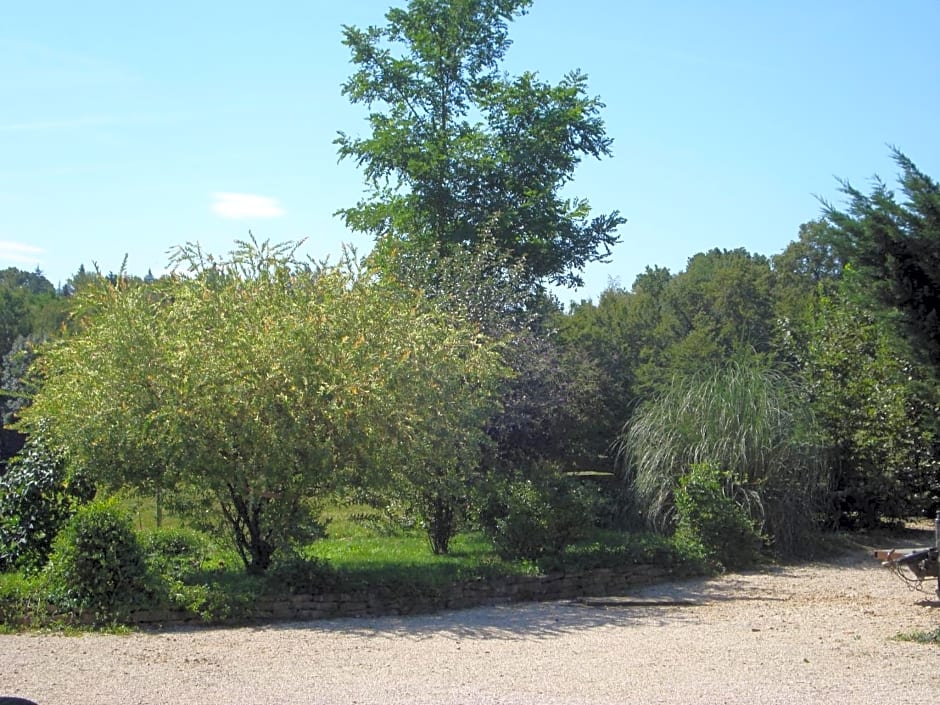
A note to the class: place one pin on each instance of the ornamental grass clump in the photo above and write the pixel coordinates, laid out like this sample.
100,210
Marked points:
750,421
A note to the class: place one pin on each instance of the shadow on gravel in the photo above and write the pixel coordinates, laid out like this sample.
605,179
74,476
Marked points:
660,604
512,622
656,605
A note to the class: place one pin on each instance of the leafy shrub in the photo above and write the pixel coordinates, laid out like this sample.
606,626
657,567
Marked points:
710,518
606,549
221,598
20,598
533,518
174,552
97,562
36,498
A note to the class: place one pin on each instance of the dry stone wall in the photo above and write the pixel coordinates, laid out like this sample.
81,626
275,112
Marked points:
383,601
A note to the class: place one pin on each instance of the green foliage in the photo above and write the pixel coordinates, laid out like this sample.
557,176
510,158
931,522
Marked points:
896,248
721,305
259,383
551,391
709,516
746,418
98,564
548,405
615,550
666,326
218,598
347,519
36,498
929,636
174,552
22,598
531,518
481,284
404,561
15,388
302,574
194,576
28,306
217,591
885,442
478,289
458,148
876,408
626,335
808,267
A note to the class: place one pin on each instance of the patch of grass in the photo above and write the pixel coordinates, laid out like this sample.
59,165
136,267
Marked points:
217,596
407,561
616,550
143,512
345,520
921,637
366,549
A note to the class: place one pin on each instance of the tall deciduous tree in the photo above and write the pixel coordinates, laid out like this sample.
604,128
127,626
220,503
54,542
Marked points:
722,304
456,146
258,383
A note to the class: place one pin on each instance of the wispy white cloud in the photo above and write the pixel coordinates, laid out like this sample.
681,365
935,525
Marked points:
19,252
30,64
83,121
245,205
69,124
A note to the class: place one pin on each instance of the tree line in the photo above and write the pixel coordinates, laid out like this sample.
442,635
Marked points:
438,377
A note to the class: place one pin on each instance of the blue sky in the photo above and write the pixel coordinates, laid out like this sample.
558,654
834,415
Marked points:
128,128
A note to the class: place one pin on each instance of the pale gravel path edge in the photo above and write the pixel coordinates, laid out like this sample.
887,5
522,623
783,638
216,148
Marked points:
818,633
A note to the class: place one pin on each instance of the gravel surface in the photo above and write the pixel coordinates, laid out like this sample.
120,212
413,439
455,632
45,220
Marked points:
820,633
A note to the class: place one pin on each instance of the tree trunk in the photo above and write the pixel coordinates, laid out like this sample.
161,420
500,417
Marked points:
440,521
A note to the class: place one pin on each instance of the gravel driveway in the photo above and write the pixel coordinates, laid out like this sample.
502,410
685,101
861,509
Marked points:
820,633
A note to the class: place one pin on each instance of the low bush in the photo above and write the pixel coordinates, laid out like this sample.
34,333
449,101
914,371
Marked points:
97,564
532,518
217,597
21,600
711,524
174,553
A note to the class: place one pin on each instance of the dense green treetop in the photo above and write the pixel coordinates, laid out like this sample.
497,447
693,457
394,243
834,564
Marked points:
31,282
719,306
458,148
28,306
722,303
895,245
